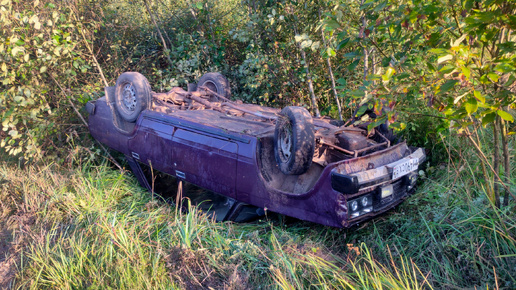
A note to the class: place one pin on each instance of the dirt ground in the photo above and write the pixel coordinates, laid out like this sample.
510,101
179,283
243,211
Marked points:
15,232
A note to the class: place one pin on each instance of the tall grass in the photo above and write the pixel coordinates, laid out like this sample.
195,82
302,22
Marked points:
94,227
450,229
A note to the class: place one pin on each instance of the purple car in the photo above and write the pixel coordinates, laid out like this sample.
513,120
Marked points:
285,161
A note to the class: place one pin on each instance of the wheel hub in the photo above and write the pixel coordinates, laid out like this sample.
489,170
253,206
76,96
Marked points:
129,97
285,144
211,86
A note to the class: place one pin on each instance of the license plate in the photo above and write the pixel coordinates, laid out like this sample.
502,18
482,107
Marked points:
404,168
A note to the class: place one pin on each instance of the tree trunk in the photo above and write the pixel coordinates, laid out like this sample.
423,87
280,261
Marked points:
506,159
309,77
166,51
366,52
331,73
496,163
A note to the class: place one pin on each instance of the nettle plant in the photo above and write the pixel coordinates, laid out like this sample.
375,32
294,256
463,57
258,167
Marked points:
42,62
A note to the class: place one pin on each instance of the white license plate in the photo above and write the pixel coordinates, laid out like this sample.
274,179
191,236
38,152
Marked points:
404,168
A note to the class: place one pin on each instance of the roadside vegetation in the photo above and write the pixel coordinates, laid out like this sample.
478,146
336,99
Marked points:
441,73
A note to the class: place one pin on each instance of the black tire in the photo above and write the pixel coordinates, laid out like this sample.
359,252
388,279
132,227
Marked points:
217,83
294,140
132,95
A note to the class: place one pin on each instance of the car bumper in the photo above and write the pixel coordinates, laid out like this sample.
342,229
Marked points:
385,183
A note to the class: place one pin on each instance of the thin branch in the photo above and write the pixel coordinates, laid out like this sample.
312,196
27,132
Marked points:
456,20
496,162
485,160
426,115
506,159
309,77
86,123
159,32
91,52
331,72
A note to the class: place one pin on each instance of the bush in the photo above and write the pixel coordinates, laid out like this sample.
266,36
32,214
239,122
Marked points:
44,65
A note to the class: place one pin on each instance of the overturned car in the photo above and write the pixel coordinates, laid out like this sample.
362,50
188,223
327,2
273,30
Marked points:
285,161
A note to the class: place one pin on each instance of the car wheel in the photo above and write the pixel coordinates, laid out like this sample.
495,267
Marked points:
294,140
215,82
132,95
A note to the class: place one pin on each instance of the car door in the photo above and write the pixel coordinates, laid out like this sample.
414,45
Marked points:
206,160
152,143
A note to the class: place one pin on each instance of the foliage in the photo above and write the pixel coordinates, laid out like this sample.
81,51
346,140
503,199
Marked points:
456,58
44,63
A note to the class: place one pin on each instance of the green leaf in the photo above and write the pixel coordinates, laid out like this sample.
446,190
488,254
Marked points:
352,54
376,123
361,111
504,115
466,71
430,66
353,65
330,51
343,43
447,69
380,6
494,77
448,85
357,93
198,5
510,81
342,81
488,119
403,75
504,68
331,23
471,106
479,96
468,4
438,50
388,74
386,61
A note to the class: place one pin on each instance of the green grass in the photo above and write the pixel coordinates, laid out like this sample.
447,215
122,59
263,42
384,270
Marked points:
94,227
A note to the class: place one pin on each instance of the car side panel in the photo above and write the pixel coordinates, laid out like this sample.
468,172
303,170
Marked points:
102,128
205,160
152,144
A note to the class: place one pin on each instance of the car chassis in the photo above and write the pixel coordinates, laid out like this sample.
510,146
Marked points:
283,161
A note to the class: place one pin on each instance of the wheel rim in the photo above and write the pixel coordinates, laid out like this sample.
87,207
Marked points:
285,144
129,97
211,86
